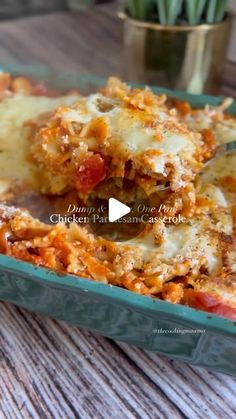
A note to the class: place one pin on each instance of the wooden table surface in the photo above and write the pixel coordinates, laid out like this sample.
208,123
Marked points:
52,370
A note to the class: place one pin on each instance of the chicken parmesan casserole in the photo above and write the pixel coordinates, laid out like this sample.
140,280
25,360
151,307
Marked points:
64,146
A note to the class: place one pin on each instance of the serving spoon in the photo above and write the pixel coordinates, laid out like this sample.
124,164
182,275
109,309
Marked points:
227,148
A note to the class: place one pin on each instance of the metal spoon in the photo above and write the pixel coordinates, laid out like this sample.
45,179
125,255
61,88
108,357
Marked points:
227,148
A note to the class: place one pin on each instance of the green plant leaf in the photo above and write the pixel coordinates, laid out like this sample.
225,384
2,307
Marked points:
131,8
139,9
200,7
211,11
216,10
190,11
173,10
220,10
170,10
194,10
161,8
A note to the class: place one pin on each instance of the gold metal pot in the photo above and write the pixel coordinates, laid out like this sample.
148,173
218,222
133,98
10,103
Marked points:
179,57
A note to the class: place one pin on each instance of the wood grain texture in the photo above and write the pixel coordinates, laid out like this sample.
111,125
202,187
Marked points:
49,369
10,9
69,41
79,42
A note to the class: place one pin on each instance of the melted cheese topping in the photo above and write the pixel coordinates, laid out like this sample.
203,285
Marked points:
223,128
200,236
133,133
154,143
221,166
129,126
190,242
14,147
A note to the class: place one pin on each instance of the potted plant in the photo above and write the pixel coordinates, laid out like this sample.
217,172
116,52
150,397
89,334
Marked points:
180,44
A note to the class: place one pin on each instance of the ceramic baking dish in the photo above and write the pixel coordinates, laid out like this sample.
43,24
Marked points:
174,330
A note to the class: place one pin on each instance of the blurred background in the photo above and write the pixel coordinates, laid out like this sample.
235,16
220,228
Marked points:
10,9
86,36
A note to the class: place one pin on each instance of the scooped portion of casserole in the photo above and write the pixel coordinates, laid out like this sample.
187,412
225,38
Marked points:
66,145
115,133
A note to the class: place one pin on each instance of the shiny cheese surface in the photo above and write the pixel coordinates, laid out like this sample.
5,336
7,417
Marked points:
146,141
223,127
200,236
132,127
15,111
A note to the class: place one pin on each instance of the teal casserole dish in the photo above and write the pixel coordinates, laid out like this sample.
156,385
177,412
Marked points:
173,330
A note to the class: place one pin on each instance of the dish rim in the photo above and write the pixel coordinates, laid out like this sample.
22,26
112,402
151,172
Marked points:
53,75
77,284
